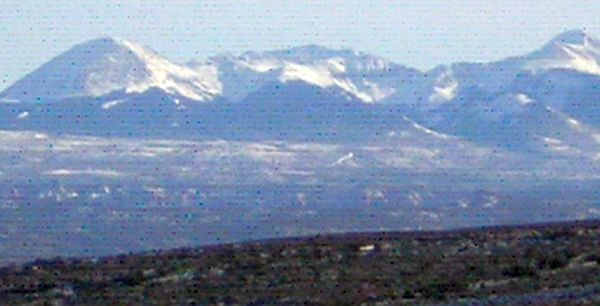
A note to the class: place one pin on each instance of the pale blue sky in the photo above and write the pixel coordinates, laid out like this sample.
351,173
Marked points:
420,33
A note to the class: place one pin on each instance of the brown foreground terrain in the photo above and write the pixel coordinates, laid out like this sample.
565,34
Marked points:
550,264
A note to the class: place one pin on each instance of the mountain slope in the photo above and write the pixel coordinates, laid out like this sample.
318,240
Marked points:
520,100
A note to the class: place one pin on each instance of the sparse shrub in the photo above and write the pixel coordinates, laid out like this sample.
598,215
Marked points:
571,251
553,262
408,294
557,262
519,270
438,289
434,291
593,257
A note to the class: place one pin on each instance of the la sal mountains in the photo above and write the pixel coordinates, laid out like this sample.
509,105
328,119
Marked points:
117,87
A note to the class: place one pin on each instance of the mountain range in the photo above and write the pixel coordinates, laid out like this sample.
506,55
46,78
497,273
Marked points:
117,87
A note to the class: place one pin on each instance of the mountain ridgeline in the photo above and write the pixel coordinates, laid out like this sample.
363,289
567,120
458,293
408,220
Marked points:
109,87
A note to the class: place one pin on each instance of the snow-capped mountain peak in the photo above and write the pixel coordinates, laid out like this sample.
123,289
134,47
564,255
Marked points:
573,37
571,50
366,77
102,66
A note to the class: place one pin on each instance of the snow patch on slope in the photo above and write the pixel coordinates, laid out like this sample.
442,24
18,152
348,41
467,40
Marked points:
523,99
172,78
445,88
94,172
323,76
346,160
425,130
111,104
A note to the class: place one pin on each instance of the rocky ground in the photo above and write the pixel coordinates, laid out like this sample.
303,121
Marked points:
551,264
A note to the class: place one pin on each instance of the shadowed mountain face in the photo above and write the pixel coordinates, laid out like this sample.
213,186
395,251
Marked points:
289,142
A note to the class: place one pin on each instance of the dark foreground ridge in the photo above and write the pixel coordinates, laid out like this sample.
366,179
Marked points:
547,264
